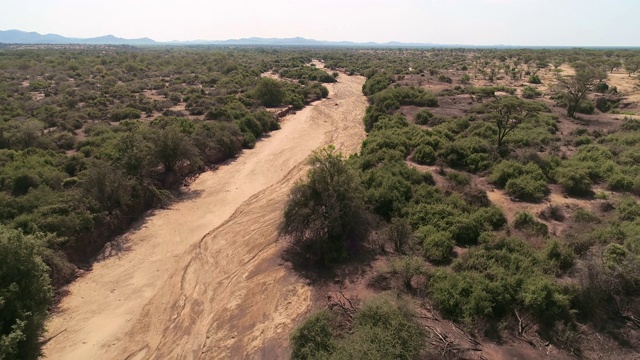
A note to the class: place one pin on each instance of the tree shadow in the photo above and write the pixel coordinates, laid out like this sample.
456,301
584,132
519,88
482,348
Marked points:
318,273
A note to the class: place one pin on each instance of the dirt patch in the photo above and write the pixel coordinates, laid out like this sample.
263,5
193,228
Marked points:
202,279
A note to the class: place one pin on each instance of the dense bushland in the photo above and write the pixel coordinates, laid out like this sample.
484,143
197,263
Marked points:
446,245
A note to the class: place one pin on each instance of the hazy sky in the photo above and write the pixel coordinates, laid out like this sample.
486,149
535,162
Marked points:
469,22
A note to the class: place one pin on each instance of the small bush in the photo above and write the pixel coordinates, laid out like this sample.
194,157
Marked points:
313,338
582,140
601,87
383,329
125,113
459,179
437,246
399,234
620,182
523,182
552,212
584,216
529,92
557,258
445,79
574,181
585,106
407,267
491,216
534,79
423,116
527,188
629,209
424,155
526,222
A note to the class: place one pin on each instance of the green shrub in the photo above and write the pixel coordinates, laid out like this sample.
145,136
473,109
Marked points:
557,258
124,113
584,216
574,181
423,116
523,182
534,79
313,338
471,153
399,233
492,216
269,92
601,87
424,155
491,280
437,246
529,92
465,229
505,171
406,267
376,83
526,222
629,209
25,294
445,79
585,106
527,188
620,182
582,140
458,178
383,329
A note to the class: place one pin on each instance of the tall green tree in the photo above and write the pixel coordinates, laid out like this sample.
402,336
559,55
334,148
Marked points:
508,112
326,216
577,87
25,294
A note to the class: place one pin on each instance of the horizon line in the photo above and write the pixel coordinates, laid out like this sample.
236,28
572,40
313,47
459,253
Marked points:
327,42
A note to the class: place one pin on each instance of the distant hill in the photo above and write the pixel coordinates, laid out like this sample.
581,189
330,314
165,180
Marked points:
296,41
23,37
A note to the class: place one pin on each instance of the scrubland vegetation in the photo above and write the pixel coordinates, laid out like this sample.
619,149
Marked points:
91,139
448,174
496,189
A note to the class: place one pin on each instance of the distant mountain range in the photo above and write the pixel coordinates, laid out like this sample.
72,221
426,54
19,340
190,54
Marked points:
23,37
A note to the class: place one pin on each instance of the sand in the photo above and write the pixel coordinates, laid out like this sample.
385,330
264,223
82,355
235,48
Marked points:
204,279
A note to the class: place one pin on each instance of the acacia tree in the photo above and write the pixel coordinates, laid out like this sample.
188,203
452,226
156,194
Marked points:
508,112
613,64
632,65
578,86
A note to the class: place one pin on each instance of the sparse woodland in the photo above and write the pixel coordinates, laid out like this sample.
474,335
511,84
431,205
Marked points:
494,200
